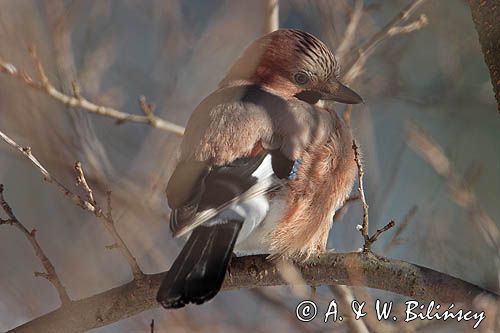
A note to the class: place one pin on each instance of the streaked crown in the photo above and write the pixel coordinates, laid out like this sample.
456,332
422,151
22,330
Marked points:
284,53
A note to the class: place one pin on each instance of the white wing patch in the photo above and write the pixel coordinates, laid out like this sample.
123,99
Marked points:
263,217
254,210
252,206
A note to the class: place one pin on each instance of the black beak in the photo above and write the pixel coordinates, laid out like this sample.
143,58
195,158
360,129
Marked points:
334,91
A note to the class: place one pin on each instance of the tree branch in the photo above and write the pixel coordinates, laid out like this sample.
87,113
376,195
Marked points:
395,238
364,227
344,296
50,272
78,101
354,68
422,144
271,16
88,203
26,151
397,276
350,31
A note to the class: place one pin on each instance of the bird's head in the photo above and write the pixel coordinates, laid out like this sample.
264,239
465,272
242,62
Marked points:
292,63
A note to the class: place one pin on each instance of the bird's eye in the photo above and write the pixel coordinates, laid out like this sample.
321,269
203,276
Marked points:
301,78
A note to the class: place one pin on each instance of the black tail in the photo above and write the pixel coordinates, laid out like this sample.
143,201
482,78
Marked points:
198,272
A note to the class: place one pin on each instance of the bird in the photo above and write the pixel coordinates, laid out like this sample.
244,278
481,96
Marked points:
263,165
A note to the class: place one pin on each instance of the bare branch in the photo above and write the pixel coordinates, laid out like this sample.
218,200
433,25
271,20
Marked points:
81,181
344,296
364,226
406,220
363,229
354,69
109,223
375,236
88,204
292,277
77,90
414,281
350,32
26,151
462,195
50,272
78,101
271,17
147,108
418,24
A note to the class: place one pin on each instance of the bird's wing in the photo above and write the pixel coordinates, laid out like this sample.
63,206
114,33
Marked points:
220,188
219,155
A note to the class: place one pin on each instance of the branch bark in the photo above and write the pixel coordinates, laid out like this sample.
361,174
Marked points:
397,276
486,17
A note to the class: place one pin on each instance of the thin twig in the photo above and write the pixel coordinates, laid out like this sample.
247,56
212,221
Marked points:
355,67
81,181
350,31
76,89
406,220
109,223
26,151
413,26
86,203
78,101
363,229
344,296
146,107
50,272
271,17
375,236
421,143
293,277
364,226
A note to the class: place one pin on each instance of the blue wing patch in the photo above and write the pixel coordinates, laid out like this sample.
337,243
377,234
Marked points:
295,169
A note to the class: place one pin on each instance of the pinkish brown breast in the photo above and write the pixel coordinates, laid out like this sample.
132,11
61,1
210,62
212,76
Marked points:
324,182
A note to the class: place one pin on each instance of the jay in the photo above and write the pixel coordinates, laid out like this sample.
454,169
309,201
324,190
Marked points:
262,167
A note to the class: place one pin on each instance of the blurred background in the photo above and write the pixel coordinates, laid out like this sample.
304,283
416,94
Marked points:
174,52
